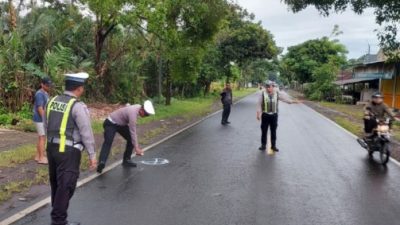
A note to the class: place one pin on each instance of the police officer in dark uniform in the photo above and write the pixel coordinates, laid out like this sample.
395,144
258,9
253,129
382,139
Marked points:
69,131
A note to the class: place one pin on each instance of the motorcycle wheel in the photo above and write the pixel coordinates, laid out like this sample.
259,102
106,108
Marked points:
385,154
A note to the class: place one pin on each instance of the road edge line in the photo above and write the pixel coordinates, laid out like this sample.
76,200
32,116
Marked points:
396,162
21,214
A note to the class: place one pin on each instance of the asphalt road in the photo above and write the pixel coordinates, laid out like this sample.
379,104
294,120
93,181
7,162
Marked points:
216,176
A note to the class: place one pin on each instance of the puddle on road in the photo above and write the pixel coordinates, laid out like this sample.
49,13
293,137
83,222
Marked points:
155,162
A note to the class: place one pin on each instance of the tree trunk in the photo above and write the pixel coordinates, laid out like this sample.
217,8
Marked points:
207,87
101,35
99,43
13,16
168,91
159,77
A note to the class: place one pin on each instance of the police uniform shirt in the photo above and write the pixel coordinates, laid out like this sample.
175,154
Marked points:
281,97
128,116
83,131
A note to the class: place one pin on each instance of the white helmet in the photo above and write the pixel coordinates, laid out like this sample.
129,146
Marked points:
148,107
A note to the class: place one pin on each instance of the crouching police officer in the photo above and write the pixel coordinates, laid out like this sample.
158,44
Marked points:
68,133
124,121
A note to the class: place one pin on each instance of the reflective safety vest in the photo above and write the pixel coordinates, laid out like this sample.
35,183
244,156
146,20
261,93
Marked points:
270,105
59,121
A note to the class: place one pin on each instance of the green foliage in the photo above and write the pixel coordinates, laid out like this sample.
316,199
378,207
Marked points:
133,50
5,119
16,82
26,111
316,62
386,11
303,59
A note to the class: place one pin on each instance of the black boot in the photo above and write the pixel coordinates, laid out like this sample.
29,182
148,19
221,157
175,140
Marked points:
100,167
262,148
128,163
275,149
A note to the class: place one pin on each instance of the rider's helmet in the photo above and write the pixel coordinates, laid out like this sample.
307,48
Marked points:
377,98
268,84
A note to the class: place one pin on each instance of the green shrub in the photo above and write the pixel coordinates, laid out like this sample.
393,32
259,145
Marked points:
27,125
5,119
26,111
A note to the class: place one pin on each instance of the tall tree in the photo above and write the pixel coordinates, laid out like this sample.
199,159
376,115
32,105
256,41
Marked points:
243,40
387,15
184,27
304,58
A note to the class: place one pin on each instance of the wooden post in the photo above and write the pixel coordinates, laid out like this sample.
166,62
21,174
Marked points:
394,90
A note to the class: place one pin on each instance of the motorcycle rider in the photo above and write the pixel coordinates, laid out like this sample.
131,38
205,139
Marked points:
376,109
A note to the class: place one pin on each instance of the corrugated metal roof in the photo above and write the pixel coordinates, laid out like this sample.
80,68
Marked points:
370,58
354,80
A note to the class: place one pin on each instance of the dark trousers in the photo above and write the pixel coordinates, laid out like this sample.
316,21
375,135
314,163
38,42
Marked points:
63,174
369,125
225,113
271,121
110,129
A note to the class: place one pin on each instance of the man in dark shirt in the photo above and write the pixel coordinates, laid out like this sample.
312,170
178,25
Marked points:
376,109
226,99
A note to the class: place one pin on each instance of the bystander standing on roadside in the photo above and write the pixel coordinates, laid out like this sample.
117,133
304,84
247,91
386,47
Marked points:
40,101
226,99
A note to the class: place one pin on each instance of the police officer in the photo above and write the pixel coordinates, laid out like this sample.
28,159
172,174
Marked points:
267,112
68,133
123,121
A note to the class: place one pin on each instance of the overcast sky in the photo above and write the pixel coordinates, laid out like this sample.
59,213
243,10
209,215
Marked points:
291,29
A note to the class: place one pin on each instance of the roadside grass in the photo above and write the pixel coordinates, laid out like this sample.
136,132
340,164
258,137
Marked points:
192,107
10,188
355,111
145,140
187,108
353,127
22,154
97,126
7,190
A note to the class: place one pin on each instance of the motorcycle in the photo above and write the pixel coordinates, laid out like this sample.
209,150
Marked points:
379,141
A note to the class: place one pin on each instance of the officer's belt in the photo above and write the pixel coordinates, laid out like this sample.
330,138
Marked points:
112,121
270,113
67,143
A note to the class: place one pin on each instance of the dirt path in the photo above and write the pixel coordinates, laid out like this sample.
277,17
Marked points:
10,139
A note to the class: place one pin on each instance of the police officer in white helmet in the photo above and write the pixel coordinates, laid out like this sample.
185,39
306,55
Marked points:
267,112
124,121
69,132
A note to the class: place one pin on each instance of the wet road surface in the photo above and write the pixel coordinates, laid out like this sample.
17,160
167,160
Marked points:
216,176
